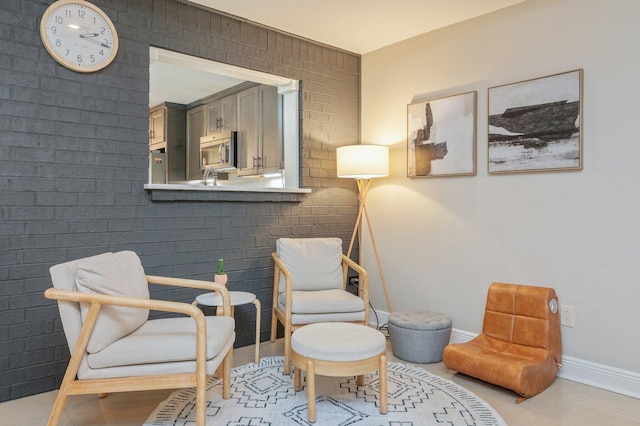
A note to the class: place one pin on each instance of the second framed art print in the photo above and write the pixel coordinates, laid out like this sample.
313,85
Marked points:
536,125
441,136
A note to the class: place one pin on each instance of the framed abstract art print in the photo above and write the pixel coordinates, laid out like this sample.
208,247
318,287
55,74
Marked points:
536,125
441,136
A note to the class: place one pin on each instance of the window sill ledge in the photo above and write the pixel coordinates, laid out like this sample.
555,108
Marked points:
189,192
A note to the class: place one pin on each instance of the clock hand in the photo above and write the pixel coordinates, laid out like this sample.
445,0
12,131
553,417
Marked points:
89,37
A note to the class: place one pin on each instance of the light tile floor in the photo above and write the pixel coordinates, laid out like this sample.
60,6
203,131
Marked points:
563,403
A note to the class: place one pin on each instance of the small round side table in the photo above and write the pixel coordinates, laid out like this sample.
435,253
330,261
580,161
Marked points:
237,298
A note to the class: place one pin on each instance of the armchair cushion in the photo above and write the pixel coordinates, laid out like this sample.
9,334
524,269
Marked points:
149,343
115,274
314,263
323,301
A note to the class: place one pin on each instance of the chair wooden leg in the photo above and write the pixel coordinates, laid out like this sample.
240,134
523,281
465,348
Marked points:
257,353
58,407
274,325
74,364
287,351
226,375
201,403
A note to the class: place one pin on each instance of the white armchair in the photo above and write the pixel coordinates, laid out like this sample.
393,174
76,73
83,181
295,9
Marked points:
104,306
310,286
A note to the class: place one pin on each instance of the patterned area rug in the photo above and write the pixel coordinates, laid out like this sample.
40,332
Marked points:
263,395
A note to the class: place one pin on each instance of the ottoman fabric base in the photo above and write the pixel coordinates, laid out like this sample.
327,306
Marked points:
423,342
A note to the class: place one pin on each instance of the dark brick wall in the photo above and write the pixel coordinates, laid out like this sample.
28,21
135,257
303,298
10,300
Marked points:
73,162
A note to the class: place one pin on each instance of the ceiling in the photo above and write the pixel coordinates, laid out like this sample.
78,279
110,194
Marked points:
358,26
193,84
338,23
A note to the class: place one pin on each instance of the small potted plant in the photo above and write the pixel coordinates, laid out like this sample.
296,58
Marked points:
220,276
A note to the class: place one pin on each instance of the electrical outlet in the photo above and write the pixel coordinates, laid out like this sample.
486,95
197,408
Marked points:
567,316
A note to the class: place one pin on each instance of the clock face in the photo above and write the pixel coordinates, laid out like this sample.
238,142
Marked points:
79,35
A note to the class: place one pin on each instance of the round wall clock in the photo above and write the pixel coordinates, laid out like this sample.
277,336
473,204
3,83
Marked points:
79,35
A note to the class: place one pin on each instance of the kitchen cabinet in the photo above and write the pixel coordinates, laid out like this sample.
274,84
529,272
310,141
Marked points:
221,115
196,128
167,134
259,126
156,126
271,126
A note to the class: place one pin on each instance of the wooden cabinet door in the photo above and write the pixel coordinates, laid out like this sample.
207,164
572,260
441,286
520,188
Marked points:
248,132
156,126
195,130
167,134
271,130
228,113
214,117
221,115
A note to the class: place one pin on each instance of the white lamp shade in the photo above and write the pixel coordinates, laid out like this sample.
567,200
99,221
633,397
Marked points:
362,161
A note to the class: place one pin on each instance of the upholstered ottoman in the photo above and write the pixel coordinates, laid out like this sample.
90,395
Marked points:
419,336
338,349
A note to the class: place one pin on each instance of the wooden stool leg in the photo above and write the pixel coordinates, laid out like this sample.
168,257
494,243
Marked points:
360,380
297,385
311,391
383,384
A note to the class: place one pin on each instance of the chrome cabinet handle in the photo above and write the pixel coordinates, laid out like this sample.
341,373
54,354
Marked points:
257,162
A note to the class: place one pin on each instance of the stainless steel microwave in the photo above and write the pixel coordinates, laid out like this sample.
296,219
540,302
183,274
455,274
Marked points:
218,151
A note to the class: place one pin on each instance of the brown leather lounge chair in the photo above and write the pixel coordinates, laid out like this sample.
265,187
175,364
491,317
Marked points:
520,346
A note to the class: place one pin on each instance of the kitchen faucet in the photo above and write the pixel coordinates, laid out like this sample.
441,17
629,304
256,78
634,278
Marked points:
205,176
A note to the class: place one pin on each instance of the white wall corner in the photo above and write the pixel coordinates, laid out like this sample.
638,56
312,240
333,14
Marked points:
378,319
589,373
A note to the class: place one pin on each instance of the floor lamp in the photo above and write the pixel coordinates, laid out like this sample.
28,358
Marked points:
362,163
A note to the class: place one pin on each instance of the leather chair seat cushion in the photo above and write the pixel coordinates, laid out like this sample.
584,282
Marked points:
114,274
524,369
148,344
322,301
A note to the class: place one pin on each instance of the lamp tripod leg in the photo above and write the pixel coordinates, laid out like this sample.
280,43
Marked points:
363,189
375,250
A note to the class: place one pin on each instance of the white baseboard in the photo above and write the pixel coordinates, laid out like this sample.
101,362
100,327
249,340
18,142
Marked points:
461,336
600,376
578,370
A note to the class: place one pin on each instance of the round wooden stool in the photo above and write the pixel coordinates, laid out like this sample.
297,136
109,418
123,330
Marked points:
338,349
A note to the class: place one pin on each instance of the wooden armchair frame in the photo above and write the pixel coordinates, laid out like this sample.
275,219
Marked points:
285,316
198,379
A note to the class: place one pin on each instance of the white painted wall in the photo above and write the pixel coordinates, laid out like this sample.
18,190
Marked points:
442,241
